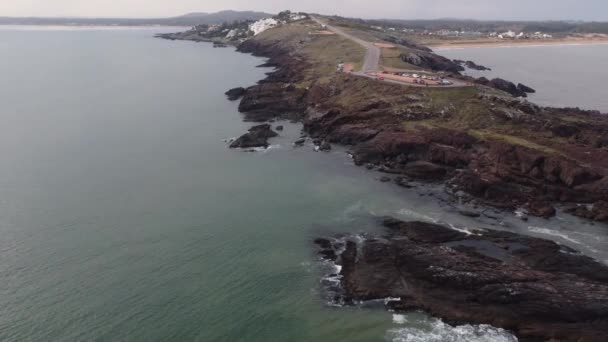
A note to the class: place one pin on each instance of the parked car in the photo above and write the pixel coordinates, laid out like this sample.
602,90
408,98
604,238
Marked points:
416,76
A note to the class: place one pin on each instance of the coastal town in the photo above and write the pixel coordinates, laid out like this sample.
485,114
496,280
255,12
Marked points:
468,34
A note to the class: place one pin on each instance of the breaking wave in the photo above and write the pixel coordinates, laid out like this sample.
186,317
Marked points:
417,216
553,232
438,331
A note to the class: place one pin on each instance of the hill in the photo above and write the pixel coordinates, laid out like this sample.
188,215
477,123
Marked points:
190,19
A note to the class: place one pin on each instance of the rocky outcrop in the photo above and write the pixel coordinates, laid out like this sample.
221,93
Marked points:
431,61
256,137
501,170
597,211
275,96
235,93
536,288
524,88
472,65
502,175
507,86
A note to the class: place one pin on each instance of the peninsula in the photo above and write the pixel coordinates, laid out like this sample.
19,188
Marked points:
411,114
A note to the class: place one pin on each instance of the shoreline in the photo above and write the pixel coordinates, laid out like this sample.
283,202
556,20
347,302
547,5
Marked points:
373,142
499,44
479,170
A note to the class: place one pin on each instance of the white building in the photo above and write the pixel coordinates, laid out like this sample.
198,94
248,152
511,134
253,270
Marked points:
263,25
507,35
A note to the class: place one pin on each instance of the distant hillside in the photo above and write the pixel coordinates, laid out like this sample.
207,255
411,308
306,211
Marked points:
190,19
223,16
497,26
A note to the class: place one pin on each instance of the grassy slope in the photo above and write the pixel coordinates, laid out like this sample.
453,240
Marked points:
454,108
324,52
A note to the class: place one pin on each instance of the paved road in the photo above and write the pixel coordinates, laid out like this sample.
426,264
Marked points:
371,61
372,54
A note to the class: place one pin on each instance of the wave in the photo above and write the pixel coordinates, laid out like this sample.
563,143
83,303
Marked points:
438,331
553,232
399,319
417,216
265,149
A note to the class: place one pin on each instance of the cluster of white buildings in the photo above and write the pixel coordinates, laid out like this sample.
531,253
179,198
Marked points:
263,25
268,23
470,34
522,35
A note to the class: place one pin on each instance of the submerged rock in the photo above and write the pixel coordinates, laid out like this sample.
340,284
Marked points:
533,287
324,146
256,137
299,142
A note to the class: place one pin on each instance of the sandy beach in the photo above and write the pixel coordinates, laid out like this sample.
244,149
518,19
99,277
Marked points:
510,43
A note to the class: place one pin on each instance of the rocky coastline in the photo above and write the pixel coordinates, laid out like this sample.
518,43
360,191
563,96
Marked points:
497,172
535,288
488,149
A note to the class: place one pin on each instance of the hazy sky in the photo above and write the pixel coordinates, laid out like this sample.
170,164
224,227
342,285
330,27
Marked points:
478,9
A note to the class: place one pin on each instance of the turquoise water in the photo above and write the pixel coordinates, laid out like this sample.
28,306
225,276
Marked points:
124,217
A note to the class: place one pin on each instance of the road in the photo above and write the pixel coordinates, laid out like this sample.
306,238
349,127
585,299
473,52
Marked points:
371,62
372,54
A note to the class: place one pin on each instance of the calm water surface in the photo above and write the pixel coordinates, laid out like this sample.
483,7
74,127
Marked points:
124,217
563,75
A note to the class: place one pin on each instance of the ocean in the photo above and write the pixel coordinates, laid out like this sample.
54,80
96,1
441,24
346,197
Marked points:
563,75
125,217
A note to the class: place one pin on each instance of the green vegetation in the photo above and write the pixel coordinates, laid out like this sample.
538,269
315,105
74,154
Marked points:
391,58
326,52
511,139
323,52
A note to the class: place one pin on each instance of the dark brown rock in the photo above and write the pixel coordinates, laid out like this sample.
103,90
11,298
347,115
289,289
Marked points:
507,86
536,288
235,93
525,88
324,146
541,209
256,137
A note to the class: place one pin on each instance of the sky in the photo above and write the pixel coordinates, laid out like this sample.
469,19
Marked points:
394,9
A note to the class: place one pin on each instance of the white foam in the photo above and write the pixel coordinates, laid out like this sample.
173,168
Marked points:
438,331
417,216
553,232
462,230
266,149
399,319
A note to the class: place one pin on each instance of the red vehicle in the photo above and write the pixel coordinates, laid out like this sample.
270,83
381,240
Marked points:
380,78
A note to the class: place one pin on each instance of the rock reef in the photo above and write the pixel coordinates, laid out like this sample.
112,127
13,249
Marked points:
256,137
536,288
